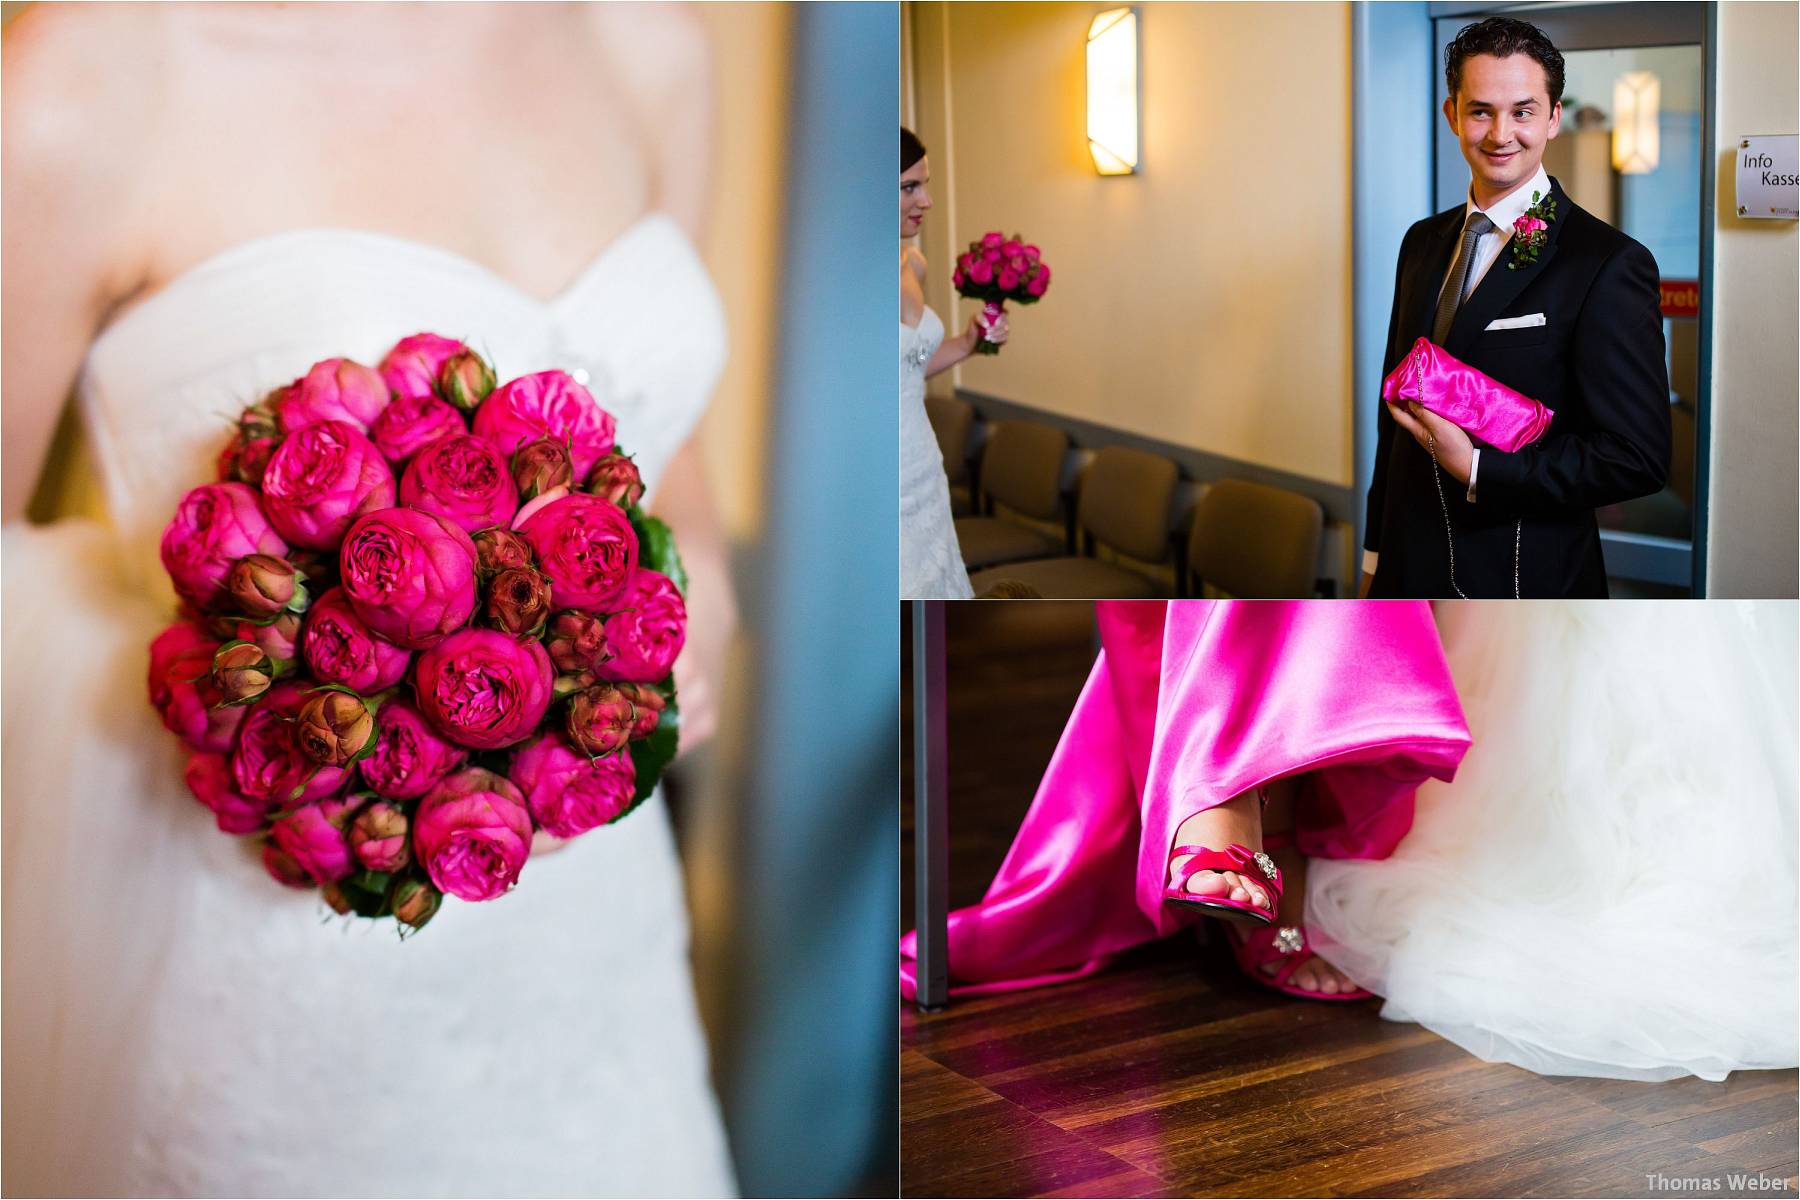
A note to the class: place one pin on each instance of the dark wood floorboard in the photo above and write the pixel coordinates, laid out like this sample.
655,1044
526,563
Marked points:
1171,1075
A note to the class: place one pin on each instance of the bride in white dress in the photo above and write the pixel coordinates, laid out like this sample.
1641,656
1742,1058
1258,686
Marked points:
191,199
931,566
1608,887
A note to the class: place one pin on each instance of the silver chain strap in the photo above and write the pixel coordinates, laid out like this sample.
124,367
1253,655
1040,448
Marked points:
1444,505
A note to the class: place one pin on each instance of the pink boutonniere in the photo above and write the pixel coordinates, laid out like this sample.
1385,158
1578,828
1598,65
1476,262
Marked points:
1528,231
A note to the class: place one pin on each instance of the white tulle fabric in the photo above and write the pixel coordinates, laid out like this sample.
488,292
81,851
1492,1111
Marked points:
175,1022
1608,887
931,566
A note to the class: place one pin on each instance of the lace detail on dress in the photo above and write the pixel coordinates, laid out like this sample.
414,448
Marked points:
931,565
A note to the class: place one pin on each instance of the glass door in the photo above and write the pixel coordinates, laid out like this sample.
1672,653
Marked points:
1631,152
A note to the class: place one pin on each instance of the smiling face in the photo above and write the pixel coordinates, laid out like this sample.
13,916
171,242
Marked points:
915,196
1502,116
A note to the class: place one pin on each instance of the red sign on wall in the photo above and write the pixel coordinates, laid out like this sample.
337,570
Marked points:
1681,297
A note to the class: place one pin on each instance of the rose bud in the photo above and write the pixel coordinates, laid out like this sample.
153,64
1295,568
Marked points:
209,778
215,525
410,575
242,672
644,637
313,836
565,686
462,478
321,480
649,704
587,548
549,404
264,585
378,837
568,792
409,756
411,368
334,728
616,478
414,903
519,602
483,689
334,896
465,380
601,720
267,765
284,867
340,649
539,466
472,834
279,638
334,390
182,690
410,423
576,641
498,550
245,459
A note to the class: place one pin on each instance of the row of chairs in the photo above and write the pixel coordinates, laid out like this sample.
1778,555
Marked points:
1243,538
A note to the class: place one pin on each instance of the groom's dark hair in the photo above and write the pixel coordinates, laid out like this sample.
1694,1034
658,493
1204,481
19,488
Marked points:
1503,37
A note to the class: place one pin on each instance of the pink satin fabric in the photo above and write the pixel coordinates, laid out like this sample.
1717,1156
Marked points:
1189,704
1485,408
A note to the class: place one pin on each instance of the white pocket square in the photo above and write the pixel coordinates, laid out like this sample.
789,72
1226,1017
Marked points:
1525,322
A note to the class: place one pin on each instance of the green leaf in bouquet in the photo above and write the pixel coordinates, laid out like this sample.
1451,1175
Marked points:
363,900
656,547
652,755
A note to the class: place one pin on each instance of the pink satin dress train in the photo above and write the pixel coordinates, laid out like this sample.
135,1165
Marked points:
1189,704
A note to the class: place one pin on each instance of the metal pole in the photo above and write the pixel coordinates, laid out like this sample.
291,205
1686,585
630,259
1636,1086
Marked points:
931,804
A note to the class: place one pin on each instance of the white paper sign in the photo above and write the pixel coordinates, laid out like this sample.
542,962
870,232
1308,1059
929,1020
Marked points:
1768,176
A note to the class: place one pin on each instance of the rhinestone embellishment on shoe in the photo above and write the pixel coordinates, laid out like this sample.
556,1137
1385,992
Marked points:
1265,864
1289,940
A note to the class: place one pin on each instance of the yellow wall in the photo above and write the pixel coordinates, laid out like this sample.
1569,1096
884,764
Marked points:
1755,388
1205,301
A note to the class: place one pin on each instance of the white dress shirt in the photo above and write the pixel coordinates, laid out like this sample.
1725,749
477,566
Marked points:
1488,248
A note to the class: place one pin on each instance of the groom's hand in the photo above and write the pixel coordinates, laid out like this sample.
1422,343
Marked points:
1454,449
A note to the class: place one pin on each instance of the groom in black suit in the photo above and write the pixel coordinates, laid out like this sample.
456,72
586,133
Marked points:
1569,314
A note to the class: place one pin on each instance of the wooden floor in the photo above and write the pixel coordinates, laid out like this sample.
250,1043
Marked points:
1172,1075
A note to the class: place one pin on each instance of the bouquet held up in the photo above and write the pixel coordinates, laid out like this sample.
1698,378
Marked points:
997,269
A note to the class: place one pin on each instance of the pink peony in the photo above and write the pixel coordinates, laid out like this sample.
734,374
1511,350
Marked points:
215,525
183,692
1030,252
569,793
339,648
280,638
957,277
1008,279
410,423
378,837
268,765
480,688
410,575
409,757
314,837
646,632
993,240
548,404
334,390
472,833
981,271
1011,248
965,261
209,778
1040,282
585,545
463,478
575,641
411,367
321,480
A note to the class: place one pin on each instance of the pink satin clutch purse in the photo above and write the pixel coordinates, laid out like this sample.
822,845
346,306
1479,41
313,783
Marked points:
1487,410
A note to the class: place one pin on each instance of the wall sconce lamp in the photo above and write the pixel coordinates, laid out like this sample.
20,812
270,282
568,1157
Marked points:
1636,144
1112,91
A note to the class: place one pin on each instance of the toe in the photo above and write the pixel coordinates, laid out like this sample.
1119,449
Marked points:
1208,883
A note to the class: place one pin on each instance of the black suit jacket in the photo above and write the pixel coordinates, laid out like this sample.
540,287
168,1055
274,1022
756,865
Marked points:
1598,362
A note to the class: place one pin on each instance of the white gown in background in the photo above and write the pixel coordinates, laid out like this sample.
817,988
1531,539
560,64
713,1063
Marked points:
931,566
1608,887
175,1022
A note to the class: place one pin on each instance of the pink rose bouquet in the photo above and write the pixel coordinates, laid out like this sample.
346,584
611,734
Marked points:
424,618
997,269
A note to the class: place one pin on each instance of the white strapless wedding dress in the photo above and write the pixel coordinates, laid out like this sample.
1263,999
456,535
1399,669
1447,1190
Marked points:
1608,887
931,566
178,1024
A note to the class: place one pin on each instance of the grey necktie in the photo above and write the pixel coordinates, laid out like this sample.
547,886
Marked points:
1456,288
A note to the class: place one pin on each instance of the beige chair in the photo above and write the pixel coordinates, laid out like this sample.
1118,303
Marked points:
1021,469
1125,497
1255,541
951,419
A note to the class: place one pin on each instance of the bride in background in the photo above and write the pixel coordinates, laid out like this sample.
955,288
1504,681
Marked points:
200,202
931,565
